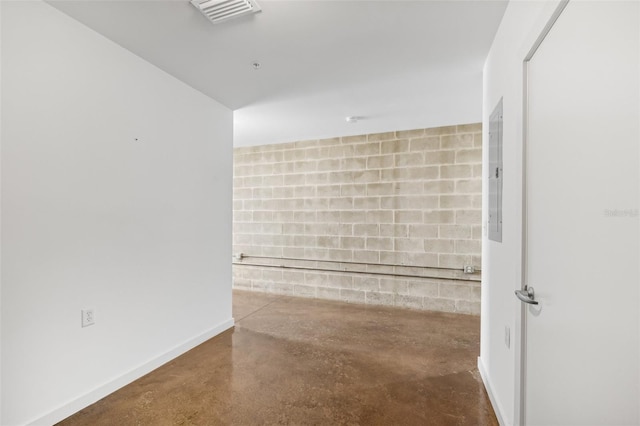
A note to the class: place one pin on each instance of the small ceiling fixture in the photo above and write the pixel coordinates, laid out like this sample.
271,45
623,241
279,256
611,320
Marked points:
256,65
221,10
353,119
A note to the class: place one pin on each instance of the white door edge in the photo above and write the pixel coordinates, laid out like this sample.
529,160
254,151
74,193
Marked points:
521,322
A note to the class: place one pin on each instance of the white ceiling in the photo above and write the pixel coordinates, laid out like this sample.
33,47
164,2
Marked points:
397,64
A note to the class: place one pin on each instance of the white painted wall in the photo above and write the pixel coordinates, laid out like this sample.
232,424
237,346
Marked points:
501,262
0,216
116,195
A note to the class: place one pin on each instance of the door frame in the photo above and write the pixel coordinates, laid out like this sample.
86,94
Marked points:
521,316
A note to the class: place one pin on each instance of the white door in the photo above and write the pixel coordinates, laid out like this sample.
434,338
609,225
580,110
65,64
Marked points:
581,246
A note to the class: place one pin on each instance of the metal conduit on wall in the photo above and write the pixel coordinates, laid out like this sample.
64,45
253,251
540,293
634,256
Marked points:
461,274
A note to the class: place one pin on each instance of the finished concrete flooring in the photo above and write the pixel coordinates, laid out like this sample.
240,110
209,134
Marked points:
313,362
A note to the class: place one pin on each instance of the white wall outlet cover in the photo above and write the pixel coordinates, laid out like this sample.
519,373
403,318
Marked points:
88,317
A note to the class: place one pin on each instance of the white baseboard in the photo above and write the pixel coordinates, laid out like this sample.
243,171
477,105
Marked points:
100,392
497,408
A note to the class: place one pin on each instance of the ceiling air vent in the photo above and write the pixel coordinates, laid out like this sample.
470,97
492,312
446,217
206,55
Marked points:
221,10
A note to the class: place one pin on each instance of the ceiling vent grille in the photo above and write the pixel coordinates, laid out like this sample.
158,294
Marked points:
221,10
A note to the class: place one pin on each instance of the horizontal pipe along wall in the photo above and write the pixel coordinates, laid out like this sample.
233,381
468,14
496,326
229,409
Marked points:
388,218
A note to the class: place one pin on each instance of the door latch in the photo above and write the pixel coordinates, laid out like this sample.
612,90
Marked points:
527,295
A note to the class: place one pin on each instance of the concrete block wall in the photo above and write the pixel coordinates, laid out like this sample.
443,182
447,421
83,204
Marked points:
388,218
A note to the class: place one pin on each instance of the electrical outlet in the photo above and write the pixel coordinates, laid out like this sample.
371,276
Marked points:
469,269
88,317
507,336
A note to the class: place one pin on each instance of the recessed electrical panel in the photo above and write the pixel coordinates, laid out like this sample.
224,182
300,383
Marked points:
495,174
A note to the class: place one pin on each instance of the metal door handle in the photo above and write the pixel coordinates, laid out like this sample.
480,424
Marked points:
527,295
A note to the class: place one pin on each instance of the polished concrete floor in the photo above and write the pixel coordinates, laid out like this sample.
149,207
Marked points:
313,362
